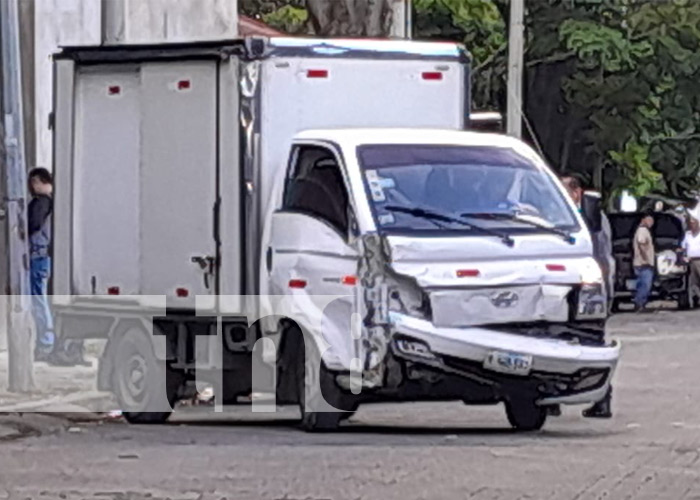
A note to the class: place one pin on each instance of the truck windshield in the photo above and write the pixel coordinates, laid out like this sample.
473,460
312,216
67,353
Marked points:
497,186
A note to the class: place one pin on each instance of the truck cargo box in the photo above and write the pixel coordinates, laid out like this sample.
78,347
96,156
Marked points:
165,156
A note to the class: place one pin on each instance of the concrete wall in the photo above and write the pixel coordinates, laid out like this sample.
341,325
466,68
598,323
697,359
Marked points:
89,22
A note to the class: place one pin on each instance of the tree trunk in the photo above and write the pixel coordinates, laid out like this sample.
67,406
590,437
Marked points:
351,17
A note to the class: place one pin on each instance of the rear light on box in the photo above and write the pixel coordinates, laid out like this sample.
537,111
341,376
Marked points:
432,76
297,284
317,73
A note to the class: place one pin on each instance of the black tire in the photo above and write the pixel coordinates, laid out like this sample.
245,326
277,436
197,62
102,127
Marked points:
311,392
145,387
526,416
685,300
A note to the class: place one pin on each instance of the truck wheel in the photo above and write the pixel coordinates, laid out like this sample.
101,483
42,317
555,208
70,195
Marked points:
145,387
311,391
526,416
685,300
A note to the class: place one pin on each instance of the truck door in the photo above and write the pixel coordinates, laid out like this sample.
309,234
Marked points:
179,180
310,250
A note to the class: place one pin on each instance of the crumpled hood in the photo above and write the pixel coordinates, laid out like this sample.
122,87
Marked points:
482,261
481,281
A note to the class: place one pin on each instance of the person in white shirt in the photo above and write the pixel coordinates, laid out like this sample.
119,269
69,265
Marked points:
691,249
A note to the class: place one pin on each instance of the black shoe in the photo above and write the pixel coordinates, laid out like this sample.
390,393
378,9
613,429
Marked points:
599,410
42,356
554,411
60,359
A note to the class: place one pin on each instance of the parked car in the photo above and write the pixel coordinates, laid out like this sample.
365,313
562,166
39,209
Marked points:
671,281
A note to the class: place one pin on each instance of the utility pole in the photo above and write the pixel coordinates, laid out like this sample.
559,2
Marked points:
21,355
516,46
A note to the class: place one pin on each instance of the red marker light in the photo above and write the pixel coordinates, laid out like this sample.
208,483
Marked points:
298,284
114,90
113,290
556,268
182,293
433,76
468,273
349,280
317,73
184,85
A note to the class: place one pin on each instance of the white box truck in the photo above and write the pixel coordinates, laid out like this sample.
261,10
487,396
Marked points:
233,191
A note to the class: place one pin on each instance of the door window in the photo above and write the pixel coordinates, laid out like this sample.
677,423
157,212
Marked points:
315,187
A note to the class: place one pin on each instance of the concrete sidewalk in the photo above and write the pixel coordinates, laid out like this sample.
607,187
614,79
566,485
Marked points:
57,389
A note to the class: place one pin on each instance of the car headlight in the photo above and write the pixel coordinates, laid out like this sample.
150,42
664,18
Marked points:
592,300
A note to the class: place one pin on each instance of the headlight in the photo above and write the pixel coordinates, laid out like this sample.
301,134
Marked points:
592,302
591,273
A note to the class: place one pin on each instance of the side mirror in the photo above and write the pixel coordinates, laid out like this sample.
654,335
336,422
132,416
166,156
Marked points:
592,210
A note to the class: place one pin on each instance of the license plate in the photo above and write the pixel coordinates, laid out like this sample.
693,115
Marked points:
508,363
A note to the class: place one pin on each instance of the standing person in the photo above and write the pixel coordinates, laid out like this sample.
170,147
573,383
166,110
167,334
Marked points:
644,261
602,252
602,240
39,225
691,250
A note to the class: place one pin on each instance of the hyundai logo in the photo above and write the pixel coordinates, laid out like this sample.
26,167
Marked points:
505,300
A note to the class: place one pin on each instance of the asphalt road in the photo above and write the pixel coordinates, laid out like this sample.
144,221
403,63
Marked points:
650,450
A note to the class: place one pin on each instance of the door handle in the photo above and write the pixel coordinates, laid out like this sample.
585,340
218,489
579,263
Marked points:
268,259
206,263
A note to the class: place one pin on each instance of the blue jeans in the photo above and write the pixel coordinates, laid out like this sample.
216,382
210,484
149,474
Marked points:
40,270
645,281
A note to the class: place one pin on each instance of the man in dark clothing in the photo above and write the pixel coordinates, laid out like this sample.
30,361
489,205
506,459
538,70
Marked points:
602,250
48,348
39,224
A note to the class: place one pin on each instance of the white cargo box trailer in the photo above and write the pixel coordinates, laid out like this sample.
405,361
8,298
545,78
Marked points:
166,156
165,162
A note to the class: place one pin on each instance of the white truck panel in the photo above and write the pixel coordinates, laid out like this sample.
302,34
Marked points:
353,94
178,175
106,183
144,179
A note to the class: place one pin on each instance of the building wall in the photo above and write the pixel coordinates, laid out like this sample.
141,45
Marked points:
89,22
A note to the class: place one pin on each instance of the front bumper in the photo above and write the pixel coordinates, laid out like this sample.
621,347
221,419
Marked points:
557,365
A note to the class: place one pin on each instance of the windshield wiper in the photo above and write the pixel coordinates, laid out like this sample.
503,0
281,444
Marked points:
436,216
516,218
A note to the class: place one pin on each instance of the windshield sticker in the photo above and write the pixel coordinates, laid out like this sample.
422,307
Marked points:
378,184
386,219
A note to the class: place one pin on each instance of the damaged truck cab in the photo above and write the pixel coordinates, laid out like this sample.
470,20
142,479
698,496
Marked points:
460,271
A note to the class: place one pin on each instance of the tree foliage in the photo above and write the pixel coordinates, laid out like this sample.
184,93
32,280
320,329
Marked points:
611,87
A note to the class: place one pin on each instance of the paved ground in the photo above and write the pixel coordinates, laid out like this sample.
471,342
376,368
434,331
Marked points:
651,450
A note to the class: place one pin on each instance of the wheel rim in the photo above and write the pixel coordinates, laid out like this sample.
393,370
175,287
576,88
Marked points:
133,381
